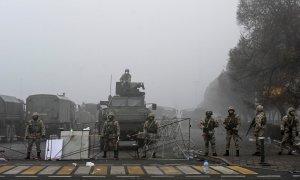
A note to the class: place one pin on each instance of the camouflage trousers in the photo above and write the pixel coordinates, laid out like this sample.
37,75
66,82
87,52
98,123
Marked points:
257,134
37,142
235,138
150,143
287,141
110,142
210,138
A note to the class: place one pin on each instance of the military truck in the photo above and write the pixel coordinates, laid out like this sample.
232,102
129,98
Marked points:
129,107
86,116
57,111
11,118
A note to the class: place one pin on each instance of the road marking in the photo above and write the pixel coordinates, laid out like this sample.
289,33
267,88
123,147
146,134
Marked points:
33,170
162,176
26,176
241,170
2,176
233,176
135,170
117,170
100,170
16,170
153,170
59,176
83,170
187,170
269,176
128,176
210,171
223,170
50,170
66,170
201,176
94,176
169,170
5,168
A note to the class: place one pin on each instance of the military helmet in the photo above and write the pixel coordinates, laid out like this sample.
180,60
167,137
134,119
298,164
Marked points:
111,114
231,108
209,113
259,108
291,109
35,114
127,70
151,115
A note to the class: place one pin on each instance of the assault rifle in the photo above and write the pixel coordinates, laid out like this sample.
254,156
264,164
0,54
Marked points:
230,127
252,125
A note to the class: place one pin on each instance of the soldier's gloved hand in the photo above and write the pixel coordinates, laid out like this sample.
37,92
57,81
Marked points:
282,132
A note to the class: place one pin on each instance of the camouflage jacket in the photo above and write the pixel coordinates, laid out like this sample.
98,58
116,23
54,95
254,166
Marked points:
125,78
209,125
260,121
35,128
111,129
232,122
151,127
289,124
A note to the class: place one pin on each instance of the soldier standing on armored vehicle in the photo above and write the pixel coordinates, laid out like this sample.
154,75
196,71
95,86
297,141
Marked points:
150,131
35,130
111,134
126,77
289,129
260,125
232,124
125,80
208,126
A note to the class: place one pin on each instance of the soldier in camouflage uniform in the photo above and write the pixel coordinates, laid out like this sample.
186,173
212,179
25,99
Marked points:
150,131
289,129
111,134
208,126
232,124
260,125
126,77
35,130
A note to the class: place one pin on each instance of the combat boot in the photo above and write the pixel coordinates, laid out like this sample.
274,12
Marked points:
38,155
116,155
237,153
226,153
28,155
290,153
214,154
144,156
206,154
104,154
280,153
154,155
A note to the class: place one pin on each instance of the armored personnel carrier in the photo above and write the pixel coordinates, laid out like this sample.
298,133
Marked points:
129,107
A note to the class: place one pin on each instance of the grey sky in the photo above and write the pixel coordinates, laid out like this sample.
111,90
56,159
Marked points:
176,47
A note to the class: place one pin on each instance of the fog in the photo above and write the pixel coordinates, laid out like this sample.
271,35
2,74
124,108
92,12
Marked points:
176,47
